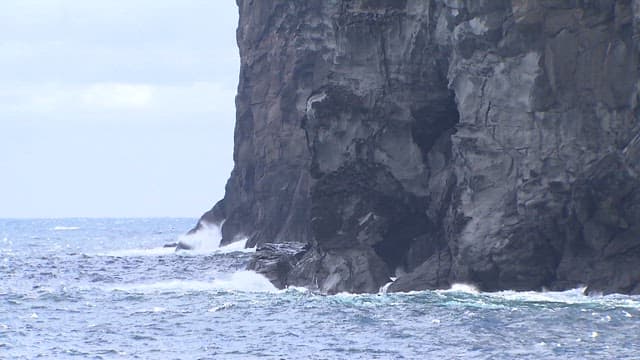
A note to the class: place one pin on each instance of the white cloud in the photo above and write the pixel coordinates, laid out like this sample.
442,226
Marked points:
121,100
74,98
79,41
117,96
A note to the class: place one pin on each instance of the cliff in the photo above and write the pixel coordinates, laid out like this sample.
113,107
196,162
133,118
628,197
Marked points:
490,142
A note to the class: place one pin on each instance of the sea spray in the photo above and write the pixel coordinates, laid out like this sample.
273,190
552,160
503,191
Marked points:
235,247
206,239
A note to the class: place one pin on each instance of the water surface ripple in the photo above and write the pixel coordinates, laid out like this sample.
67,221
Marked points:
106,289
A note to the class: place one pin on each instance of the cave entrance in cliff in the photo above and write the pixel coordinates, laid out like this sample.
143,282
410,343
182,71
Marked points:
433,124
415,236
400,238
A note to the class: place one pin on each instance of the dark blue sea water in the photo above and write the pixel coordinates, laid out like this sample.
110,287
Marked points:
107,289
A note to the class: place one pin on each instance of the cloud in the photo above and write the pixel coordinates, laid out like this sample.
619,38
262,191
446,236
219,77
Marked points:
117,40
134,98
117,96
67,98
115,100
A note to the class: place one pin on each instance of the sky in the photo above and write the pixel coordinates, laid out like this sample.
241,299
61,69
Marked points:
116,108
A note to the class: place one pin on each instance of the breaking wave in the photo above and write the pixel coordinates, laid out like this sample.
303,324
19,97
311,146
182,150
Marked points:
159,251
206,239
566,298
243,281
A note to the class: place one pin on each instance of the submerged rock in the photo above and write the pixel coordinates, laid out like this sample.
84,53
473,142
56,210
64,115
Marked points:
494,143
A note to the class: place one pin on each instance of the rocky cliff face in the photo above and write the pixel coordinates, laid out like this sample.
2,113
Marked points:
492,142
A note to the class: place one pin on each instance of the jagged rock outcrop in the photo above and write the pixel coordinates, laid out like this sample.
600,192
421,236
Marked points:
276,260
494,142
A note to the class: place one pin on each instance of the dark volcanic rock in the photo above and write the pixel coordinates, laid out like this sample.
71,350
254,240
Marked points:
489,142
354,269
275,261
432,274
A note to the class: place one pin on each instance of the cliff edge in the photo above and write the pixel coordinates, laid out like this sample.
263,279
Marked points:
491,142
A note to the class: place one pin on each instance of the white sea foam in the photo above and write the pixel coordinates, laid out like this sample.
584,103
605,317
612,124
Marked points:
206,239
238,246
245,281
65,228
574,296
168,285
242,281
461,288
298,289
158,251
569,297
384,288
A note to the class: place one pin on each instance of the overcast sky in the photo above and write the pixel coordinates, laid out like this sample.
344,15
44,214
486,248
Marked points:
115,108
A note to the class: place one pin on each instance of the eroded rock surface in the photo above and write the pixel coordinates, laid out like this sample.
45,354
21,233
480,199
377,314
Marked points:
489,142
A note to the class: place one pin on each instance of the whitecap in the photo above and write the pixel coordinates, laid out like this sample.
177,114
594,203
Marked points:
568,297
159,251
460,288
65,228
297,289
168,285
245,281
242,281
574,296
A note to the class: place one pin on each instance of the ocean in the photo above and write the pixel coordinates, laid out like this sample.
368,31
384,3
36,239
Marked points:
108,289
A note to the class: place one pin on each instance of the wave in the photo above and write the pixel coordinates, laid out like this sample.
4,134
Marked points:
238,246
159,251
241,281
544,298
206,239
245,281
65,228
569,297
468,296
461,288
